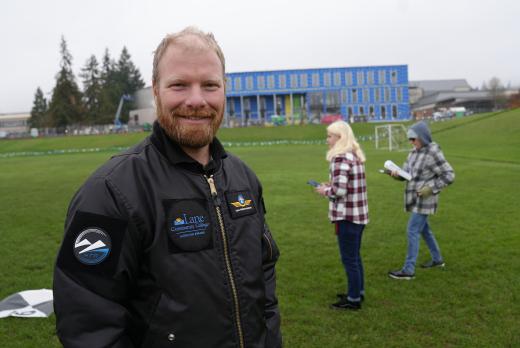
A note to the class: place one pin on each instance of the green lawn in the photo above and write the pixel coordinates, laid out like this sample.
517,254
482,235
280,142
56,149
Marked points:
473,302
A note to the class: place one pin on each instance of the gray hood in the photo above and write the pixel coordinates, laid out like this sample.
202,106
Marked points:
422,132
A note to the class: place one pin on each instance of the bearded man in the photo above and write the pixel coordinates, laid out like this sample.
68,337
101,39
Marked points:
166,244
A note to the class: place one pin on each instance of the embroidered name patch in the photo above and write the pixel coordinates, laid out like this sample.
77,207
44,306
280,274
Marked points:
188,225
240,203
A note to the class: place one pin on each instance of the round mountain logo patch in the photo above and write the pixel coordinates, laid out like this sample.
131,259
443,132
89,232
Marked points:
92,246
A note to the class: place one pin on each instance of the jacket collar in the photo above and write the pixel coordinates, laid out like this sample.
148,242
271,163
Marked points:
176,156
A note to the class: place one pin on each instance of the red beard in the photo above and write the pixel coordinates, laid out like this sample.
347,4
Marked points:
192,136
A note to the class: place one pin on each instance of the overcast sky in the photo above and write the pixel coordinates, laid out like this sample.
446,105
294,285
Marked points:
437,39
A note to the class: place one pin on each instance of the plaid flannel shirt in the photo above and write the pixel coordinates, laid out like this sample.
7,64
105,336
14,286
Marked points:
348,190
428,167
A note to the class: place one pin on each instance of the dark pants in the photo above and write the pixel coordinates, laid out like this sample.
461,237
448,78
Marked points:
349,241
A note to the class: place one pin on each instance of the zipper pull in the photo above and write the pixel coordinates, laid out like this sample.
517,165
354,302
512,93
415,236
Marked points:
213,190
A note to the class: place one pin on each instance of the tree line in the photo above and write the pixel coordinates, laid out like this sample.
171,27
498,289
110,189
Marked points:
103,86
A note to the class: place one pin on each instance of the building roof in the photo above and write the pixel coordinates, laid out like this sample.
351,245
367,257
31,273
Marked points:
455,97
15,116
441,85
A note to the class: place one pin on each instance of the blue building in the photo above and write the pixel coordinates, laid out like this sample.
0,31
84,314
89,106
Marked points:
375,93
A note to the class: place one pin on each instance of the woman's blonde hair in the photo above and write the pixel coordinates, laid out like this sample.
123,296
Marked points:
346,142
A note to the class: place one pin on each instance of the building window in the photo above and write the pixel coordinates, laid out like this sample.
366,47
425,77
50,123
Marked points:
238,84
282,81
332,102
327,79
294,81
249,82
400,94
315,80
354,96
348,78
247,104
361,111
337,79
303,80
387,94
394,111
316,103
229,85
260,82
349,111
393,76
371,77
365,95
360,78
383,112
371,112
278,106
231,107
382,77
263,104
270,82
377,95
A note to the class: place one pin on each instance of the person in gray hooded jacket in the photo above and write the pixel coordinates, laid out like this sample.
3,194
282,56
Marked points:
430,174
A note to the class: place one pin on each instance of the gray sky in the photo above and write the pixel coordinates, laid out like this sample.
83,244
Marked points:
437,39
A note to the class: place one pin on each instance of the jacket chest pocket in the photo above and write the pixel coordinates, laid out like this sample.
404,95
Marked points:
188,225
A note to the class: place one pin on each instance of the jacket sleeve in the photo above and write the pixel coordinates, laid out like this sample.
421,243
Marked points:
272,312
444,174
339,169
90,290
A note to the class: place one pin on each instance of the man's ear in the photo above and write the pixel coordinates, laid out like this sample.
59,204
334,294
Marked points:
155,92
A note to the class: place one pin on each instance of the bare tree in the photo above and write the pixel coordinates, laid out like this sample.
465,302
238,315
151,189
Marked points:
497,93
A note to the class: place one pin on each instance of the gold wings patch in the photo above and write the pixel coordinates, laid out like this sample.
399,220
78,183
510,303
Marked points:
240,205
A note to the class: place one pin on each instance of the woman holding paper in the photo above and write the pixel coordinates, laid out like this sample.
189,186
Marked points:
429,174
348,207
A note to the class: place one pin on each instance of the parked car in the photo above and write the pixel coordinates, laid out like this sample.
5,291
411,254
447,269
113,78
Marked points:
329,118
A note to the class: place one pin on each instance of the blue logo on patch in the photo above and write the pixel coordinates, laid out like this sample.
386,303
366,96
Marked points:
92,246
189,226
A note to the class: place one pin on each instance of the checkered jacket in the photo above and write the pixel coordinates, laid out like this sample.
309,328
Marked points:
428,167
348,190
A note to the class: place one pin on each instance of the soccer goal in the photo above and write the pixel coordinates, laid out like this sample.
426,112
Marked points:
391,137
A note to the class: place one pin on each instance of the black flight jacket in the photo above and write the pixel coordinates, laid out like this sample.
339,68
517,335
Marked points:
160,251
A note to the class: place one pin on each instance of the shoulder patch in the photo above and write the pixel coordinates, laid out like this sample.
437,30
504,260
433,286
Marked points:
92,244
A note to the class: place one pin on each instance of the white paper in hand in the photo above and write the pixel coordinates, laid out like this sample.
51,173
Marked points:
394,167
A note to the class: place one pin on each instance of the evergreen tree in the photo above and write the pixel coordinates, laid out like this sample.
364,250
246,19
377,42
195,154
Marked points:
92,91
65,107
130,75
118,79
129,81
109,92
38,110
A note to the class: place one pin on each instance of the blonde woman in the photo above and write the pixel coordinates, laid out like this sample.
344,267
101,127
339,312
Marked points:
348,207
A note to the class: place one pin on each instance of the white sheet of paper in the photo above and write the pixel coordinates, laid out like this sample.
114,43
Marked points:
394,167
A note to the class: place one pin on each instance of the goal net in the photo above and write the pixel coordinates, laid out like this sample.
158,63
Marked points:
391,137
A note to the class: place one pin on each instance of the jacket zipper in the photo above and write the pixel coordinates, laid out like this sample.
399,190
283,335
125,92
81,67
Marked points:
225,243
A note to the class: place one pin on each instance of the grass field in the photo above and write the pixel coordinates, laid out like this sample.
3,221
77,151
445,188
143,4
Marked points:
473,302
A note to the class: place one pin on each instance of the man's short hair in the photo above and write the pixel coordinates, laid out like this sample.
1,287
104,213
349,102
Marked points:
177,38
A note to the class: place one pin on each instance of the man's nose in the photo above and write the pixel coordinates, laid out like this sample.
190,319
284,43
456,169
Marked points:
195,97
